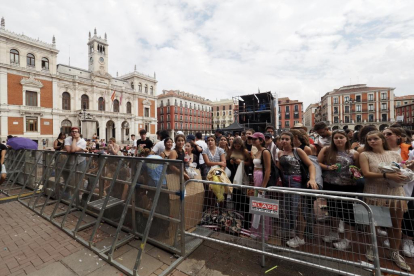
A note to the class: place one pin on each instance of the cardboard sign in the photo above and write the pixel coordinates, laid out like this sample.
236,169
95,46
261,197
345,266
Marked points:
264,206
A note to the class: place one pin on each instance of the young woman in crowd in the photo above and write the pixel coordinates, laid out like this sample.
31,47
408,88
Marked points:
213,155
361,136
224,144
293,207
59,142
231,140
178,153
376,151
113,147
335,161
301,141
261,175
394,137
168,143
189,157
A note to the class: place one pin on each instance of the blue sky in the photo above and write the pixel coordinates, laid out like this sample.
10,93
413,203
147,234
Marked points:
220,49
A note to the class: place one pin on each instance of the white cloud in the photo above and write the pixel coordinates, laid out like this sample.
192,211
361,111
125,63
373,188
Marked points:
219,49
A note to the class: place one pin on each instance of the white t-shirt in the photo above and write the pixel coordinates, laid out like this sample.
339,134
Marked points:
134,143
323,141
158,148
203,145
81,144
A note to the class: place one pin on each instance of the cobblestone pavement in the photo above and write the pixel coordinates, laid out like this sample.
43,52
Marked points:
30,245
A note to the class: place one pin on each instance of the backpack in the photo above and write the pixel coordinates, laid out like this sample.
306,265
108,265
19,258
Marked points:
275,172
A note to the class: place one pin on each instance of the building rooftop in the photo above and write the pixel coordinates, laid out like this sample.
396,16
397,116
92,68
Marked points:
406,97
358,88
286,100
183,95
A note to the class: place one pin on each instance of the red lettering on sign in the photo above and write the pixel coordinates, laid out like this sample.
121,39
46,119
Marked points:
265,206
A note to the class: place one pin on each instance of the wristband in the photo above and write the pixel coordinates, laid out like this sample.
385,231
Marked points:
384,175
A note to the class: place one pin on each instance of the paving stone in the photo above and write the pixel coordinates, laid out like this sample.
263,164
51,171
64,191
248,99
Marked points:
163,256
83,262
107,270
56,268
148,263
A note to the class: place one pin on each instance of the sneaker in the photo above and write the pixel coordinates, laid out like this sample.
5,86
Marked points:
399,260
382,232
295,242
369,254
341,228
342,245
333,236
408,248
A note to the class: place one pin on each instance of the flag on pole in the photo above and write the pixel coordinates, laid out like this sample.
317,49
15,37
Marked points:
113,96
120,100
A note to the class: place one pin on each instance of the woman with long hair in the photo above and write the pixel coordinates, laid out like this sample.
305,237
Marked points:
261,179
113,147
335,161
294,205
301,141
189,157
394,137
168,143
376,151
59,143
231,140
224,144
362,134
178,153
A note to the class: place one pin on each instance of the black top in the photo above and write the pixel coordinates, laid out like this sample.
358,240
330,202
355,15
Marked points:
248,147
2,147
147,142
59,144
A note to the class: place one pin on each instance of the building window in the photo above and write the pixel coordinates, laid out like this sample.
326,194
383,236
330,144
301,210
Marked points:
358,108
14,56
346,119
383,96
45,64
370,97
346,109
85,101
287,124
335,120
287,109
129,108
296,108
31,98
146,112
358,118
146,89
31,124
370,117
65,101
371,107
152,90
384,106
224,113
358,98
176,125
132,85
168,126
168,117
287,116
229,112
116,106
176,117
335,110
335,100
346,98
140,87
30,60
101,104
175,102
384,117
168,109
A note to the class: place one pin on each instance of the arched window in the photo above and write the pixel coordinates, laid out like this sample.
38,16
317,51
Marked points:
65,101
140,87
152,90
85,102
45,64
129,107
66,126
14,56
101,104
146,89
132,85
116,106
30,60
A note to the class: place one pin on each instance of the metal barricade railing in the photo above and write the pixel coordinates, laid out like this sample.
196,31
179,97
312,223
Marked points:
140,199
296,227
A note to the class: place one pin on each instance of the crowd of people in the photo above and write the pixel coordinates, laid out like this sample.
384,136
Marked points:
318,159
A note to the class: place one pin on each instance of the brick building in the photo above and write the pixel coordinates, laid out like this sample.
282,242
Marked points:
181,111
405,115
40,98
357,105
290,112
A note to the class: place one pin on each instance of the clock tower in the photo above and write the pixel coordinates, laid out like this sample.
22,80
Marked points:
97,54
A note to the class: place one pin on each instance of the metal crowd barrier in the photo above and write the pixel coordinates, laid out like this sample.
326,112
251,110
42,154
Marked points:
141,199
265,224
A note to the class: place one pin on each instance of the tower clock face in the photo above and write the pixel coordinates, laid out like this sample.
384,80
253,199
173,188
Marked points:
101,60
91,61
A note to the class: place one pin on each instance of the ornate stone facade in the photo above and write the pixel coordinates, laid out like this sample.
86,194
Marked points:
40,98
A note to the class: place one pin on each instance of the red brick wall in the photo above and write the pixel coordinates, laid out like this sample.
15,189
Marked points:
46,129
152,109
15,129
46,94
152,129
140,107
14,90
